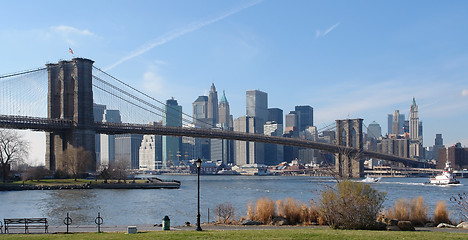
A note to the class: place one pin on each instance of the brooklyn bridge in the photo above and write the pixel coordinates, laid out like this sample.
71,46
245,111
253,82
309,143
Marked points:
69,122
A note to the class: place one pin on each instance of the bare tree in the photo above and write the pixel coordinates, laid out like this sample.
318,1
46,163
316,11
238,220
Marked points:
75,161
225,212
12,148
35,173
119,169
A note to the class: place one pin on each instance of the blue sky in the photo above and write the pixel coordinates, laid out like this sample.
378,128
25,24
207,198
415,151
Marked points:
347,59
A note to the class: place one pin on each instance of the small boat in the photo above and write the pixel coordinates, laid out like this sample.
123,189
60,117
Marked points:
371,179
446,177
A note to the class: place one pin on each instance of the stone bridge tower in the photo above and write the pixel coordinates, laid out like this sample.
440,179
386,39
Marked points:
349,133
70,97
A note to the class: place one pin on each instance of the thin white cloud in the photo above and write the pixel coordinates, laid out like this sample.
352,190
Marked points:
180,32
465,92
320,33
153,81
67,30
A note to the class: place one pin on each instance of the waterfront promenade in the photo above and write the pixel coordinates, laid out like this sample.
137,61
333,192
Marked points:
205,227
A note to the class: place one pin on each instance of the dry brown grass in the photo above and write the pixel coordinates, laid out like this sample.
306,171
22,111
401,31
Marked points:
400,211
251,212
441,215
418,211
265,210
291,210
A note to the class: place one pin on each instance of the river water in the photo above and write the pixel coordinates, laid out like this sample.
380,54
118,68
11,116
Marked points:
149,206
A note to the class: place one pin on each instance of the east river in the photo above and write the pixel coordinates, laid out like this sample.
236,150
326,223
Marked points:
149,206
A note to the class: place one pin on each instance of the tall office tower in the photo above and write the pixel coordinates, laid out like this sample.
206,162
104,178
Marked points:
127,148
273,152
222,150
305,117
200,113
291,122
257,105
438,143
213,105
171,145
374,130
108,141
414,121
401,123
225,117
151,151
248,152
416,148
275,115
396,123
98,110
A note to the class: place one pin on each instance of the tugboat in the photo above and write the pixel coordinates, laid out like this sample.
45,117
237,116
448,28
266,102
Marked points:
446,177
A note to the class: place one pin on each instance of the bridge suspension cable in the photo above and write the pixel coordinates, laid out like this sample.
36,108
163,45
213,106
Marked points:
190,119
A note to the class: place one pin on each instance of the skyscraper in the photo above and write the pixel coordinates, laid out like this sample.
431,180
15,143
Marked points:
225,117
305,117
292,122
127,148
416,148
396,123
374,130
275,115
273,152
401,123
249,152
257,105
200,112
108,141
171,145
438,143
213,105
98,111
151,151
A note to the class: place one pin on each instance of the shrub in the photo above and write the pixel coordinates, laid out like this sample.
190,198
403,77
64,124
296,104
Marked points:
461,204
225,212
400,211
251,212
441,215
265,210
352,205
418,211
290,210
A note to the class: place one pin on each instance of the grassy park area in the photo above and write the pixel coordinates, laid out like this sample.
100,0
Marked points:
299,233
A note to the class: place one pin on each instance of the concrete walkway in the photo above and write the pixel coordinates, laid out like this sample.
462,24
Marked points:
145,228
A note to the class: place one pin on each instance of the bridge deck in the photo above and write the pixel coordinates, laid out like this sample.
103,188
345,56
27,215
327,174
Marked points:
50,125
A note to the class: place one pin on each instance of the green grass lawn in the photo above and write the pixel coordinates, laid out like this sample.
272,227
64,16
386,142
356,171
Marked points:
250,234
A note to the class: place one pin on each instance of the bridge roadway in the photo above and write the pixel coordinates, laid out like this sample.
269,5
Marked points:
47,125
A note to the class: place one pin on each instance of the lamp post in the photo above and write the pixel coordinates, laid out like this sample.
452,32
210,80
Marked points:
198,163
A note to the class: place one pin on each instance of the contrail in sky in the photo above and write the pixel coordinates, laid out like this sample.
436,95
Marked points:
180,32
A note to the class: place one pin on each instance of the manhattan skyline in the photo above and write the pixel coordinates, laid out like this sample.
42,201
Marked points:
360,59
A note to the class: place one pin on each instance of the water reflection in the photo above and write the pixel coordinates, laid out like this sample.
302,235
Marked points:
79,203
149,206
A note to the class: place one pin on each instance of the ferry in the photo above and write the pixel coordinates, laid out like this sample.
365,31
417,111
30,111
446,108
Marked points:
446,177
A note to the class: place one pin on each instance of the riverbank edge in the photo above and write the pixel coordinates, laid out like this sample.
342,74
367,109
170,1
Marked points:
159,185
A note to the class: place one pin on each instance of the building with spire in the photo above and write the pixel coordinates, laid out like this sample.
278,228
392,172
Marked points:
224,113
213,105
415,136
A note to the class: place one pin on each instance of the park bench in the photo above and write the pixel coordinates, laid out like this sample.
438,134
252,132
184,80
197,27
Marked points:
26,223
